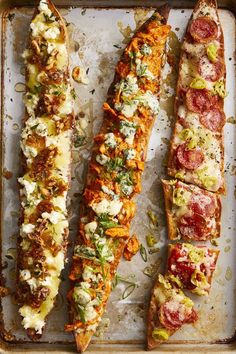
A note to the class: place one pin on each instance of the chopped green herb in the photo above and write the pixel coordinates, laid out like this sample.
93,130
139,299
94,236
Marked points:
143,253
79,141
148,271
50,18
34,126
73,93
37,88
85,252
115,164
128,291
105,222
152,217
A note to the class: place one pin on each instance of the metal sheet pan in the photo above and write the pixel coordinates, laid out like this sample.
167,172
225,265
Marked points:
97,37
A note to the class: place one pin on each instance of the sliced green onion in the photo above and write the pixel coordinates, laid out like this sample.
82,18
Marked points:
128,291
143,253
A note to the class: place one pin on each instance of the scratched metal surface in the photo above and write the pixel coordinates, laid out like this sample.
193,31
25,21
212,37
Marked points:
100,53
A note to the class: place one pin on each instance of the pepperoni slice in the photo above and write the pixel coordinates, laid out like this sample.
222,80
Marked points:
194,227
199,101
213,120
203,30
210,71
202,204
171,316
190,159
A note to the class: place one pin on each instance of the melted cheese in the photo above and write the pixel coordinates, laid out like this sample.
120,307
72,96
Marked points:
35,318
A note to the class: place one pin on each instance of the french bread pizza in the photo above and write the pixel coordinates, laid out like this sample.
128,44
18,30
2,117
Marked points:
192,267
114,175
46,157
193,213
169,310
196,150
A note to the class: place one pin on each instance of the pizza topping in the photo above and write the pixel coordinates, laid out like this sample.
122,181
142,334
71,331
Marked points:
210,71
213,120
194,227
190,159
212,52
193,265
174,313
198,83
199,101
202,204
160,334
181,196
219,89
203,30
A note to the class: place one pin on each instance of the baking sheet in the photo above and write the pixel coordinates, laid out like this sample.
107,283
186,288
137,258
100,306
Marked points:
97,39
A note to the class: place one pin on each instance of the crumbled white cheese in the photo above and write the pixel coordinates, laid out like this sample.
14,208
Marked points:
88,274
60,202
33,283
29,187
128,129
127,109
41,129
90,313
128,86
28,151
108,191
142,70
81,296
130,154
52,33
31,102
54,217
43,7
150,100
146,49
102,159
37,28
90,228
112,207
126,189
110,140
27,228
